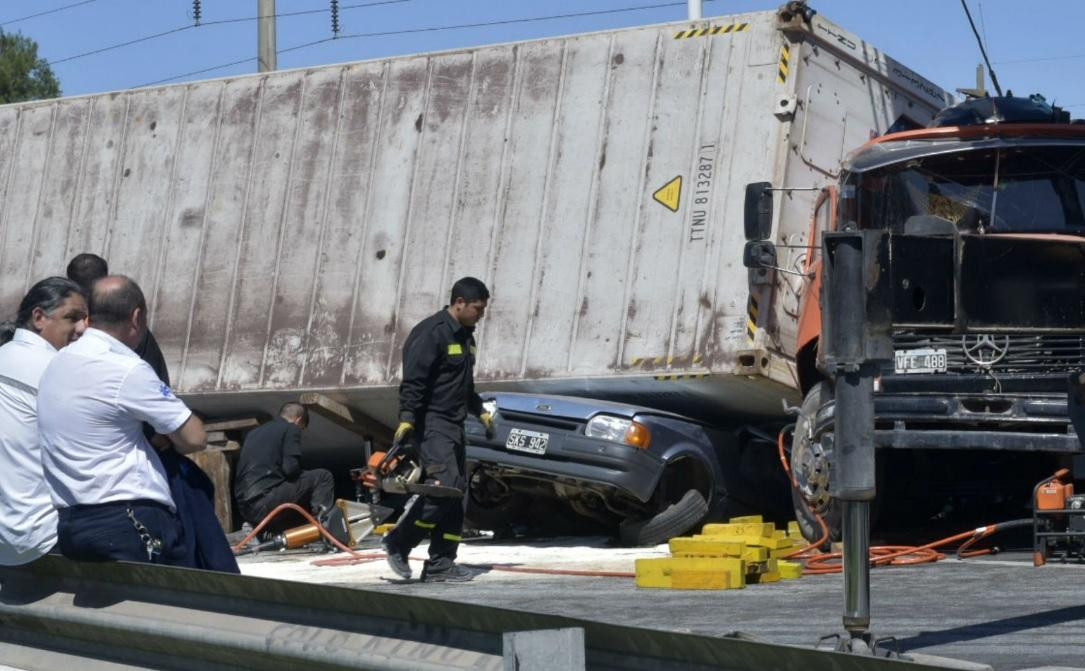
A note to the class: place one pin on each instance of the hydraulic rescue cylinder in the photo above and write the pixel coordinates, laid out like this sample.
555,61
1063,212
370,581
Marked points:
852,354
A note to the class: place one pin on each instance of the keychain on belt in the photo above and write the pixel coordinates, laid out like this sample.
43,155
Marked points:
150,543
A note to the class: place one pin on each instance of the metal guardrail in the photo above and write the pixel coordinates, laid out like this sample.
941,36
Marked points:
122,616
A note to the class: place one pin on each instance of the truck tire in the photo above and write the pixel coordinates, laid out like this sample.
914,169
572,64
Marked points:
674,520
810,471
809,465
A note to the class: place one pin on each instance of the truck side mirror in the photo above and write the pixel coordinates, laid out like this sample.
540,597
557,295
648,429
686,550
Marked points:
758,211
759,254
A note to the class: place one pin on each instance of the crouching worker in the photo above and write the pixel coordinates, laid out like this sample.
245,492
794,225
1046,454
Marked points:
51,315
269,470
110,489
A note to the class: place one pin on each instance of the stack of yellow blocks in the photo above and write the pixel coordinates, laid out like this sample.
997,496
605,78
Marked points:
725,556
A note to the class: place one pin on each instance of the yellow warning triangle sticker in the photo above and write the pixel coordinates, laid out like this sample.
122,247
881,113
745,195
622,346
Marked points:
669,194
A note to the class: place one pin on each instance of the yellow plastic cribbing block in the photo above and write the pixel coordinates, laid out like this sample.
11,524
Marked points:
754,553
382,529
739,529
789,569
767,566
711,545
756,519
793,529
758,541
690,573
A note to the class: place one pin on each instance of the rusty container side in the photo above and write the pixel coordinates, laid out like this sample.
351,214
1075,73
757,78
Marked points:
289,228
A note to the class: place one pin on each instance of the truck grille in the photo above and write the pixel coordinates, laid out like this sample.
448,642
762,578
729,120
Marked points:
1001,353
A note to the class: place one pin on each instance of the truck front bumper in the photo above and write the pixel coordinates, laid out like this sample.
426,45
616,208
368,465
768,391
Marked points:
1034,423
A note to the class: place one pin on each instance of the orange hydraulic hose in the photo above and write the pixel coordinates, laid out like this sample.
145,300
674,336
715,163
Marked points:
814,563
304,513
881,555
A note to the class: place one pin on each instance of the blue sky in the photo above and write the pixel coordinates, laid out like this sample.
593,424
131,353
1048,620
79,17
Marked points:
1035,45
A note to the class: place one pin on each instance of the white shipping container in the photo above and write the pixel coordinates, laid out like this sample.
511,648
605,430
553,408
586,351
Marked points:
289,228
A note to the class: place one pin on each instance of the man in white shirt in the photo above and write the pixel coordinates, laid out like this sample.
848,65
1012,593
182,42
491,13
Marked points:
51,315
109,487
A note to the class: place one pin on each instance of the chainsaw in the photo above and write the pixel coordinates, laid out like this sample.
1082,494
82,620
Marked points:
396,472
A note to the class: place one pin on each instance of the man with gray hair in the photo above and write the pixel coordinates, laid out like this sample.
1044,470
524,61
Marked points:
51,315
111,491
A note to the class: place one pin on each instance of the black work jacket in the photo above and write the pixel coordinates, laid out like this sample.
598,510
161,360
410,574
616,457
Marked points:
270,455
438,371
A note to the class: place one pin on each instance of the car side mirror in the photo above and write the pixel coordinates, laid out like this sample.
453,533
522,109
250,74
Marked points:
757,213
759,254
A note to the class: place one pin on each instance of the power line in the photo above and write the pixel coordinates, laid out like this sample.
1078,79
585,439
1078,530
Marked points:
983,50
1040,60
49,11
387,33
111,47
154,36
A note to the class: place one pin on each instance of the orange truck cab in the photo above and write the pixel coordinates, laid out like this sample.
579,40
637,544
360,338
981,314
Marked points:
984,412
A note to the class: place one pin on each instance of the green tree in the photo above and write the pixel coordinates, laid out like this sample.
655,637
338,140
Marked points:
23,75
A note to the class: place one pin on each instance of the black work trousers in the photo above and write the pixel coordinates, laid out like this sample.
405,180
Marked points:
443,458
311,490
122,530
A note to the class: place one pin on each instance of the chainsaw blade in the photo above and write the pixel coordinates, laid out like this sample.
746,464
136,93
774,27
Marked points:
439,491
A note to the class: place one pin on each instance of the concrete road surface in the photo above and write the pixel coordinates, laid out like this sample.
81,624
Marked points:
1000,611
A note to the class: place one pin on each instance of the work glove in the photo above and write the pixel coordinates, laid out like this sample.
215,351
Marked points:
403,431
487,420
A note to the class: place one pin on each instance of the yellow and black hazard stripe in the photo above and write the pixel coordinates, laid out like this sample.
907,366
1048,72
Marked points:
785,64
712,30
653,361
751,318
681,376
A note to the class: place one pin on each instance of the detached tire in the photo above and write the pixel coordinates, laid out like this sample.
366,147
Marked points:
674,520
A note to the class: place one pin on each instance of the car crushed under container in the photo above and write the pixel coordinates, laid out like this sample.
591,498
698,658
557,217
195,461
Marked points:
646,474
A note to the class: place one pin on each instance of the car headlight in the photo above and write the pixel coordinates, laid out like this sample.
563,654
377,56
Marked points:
619,430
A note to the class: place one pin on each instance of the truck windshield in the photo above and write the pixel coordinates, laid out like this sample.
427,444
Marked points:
1025,190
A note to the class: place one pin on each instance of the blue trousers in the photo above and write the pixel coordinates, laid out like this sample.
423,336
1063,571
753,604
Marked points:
104,531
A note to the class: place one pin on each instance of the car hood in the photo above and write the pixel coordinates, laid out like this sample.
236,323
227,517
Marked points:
571,407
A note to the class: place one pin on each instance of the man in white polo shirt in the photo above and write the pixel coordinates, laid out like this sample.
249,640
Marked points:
51,315
109,487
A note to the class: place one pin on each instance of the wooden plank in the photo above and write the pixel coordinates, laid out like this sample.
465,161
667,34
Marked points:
346,417
236,424
215,437
215,463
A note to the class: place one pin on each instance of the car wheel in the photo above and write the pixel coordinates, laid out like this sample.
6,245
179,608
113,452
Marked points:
491,506
674,520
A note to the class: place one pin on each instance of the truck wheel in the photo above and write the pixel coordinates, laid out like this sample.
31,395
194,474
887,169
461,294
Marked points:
491,506
674,520
811,458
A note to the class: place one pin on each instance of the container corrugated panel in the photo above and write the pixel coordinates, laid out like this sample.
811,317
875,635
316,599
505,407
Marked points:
290,228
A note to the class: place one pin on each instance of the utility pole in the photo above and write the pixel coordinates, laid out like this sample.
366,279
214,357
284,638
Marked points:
265,27
694,10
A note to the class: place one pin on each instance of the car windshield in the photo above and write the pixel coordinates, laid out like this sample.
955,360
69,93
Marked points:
1007,190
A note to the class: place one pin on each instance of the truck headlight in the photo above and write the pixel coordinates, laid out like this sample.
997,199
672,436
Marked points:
619,430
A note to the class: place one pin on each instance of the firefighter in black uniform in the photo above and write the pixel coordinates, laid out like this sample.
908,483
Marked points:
437,392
